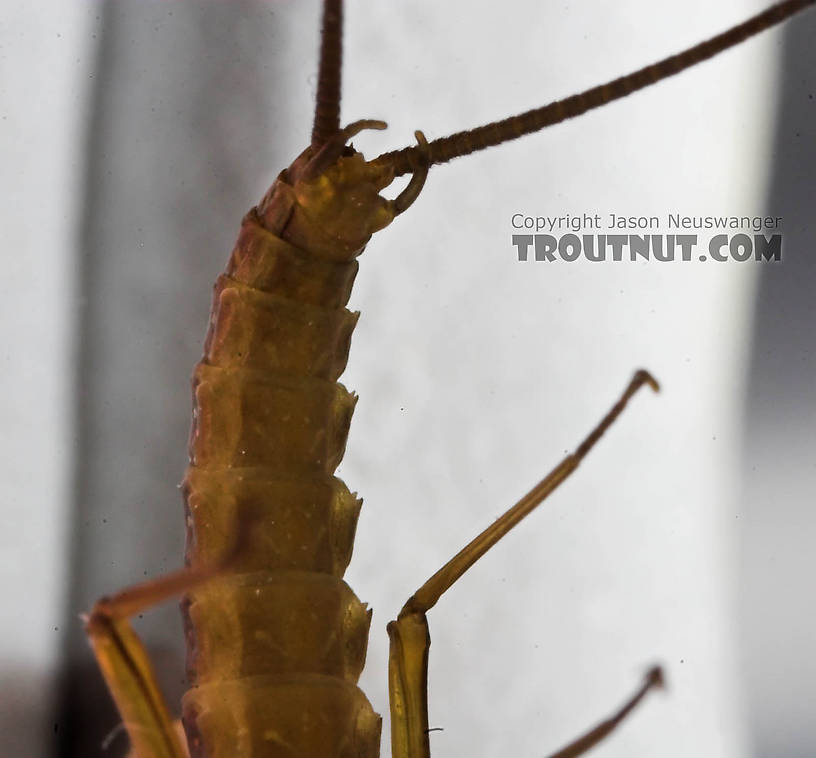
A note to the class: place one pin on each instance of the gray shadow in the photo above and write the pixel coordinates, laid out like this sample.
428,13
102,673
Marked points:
25,724
178,148
777,521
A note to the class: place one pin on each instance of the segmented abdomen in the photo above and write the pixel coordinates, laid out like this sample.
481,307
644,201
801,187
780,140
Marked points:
275,648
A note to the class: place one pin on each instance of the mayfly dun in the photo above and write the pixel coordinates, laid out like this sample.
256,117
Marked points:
212,428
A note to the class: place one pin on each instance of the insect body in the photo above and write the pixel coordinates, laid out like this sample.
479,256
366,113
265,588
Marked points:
270,427
278,340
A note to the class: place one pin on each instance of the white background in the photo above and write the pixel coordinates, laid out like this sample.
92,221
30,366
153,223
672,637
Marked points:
475,372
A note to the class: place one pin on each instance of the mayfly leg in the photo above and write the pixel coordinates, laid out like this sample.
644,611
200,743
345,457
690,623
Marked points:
124,661
652,680
410,638
127,668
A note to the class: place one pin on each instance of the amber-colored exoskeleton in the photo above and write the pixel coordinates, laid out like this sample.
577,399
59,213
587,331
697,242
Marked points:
276,639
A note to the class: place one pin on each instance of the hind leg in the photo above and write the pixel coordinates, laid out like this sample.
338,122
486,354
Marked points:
125,664
410,639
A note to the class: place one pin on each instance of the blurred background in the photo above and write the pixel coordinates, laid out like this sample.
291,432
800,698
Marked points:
136,133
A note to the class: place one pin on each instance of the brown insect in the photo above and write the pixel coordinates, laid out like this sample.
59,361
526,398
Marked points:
218,559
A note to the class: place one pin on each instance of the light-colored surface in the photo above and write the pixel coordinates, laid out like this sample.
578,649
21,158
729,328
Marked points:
476,372
495,368
43,86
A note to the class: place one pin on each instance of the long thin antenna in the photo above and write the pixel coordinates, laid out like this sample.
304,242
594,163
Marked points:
327,105
441,150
